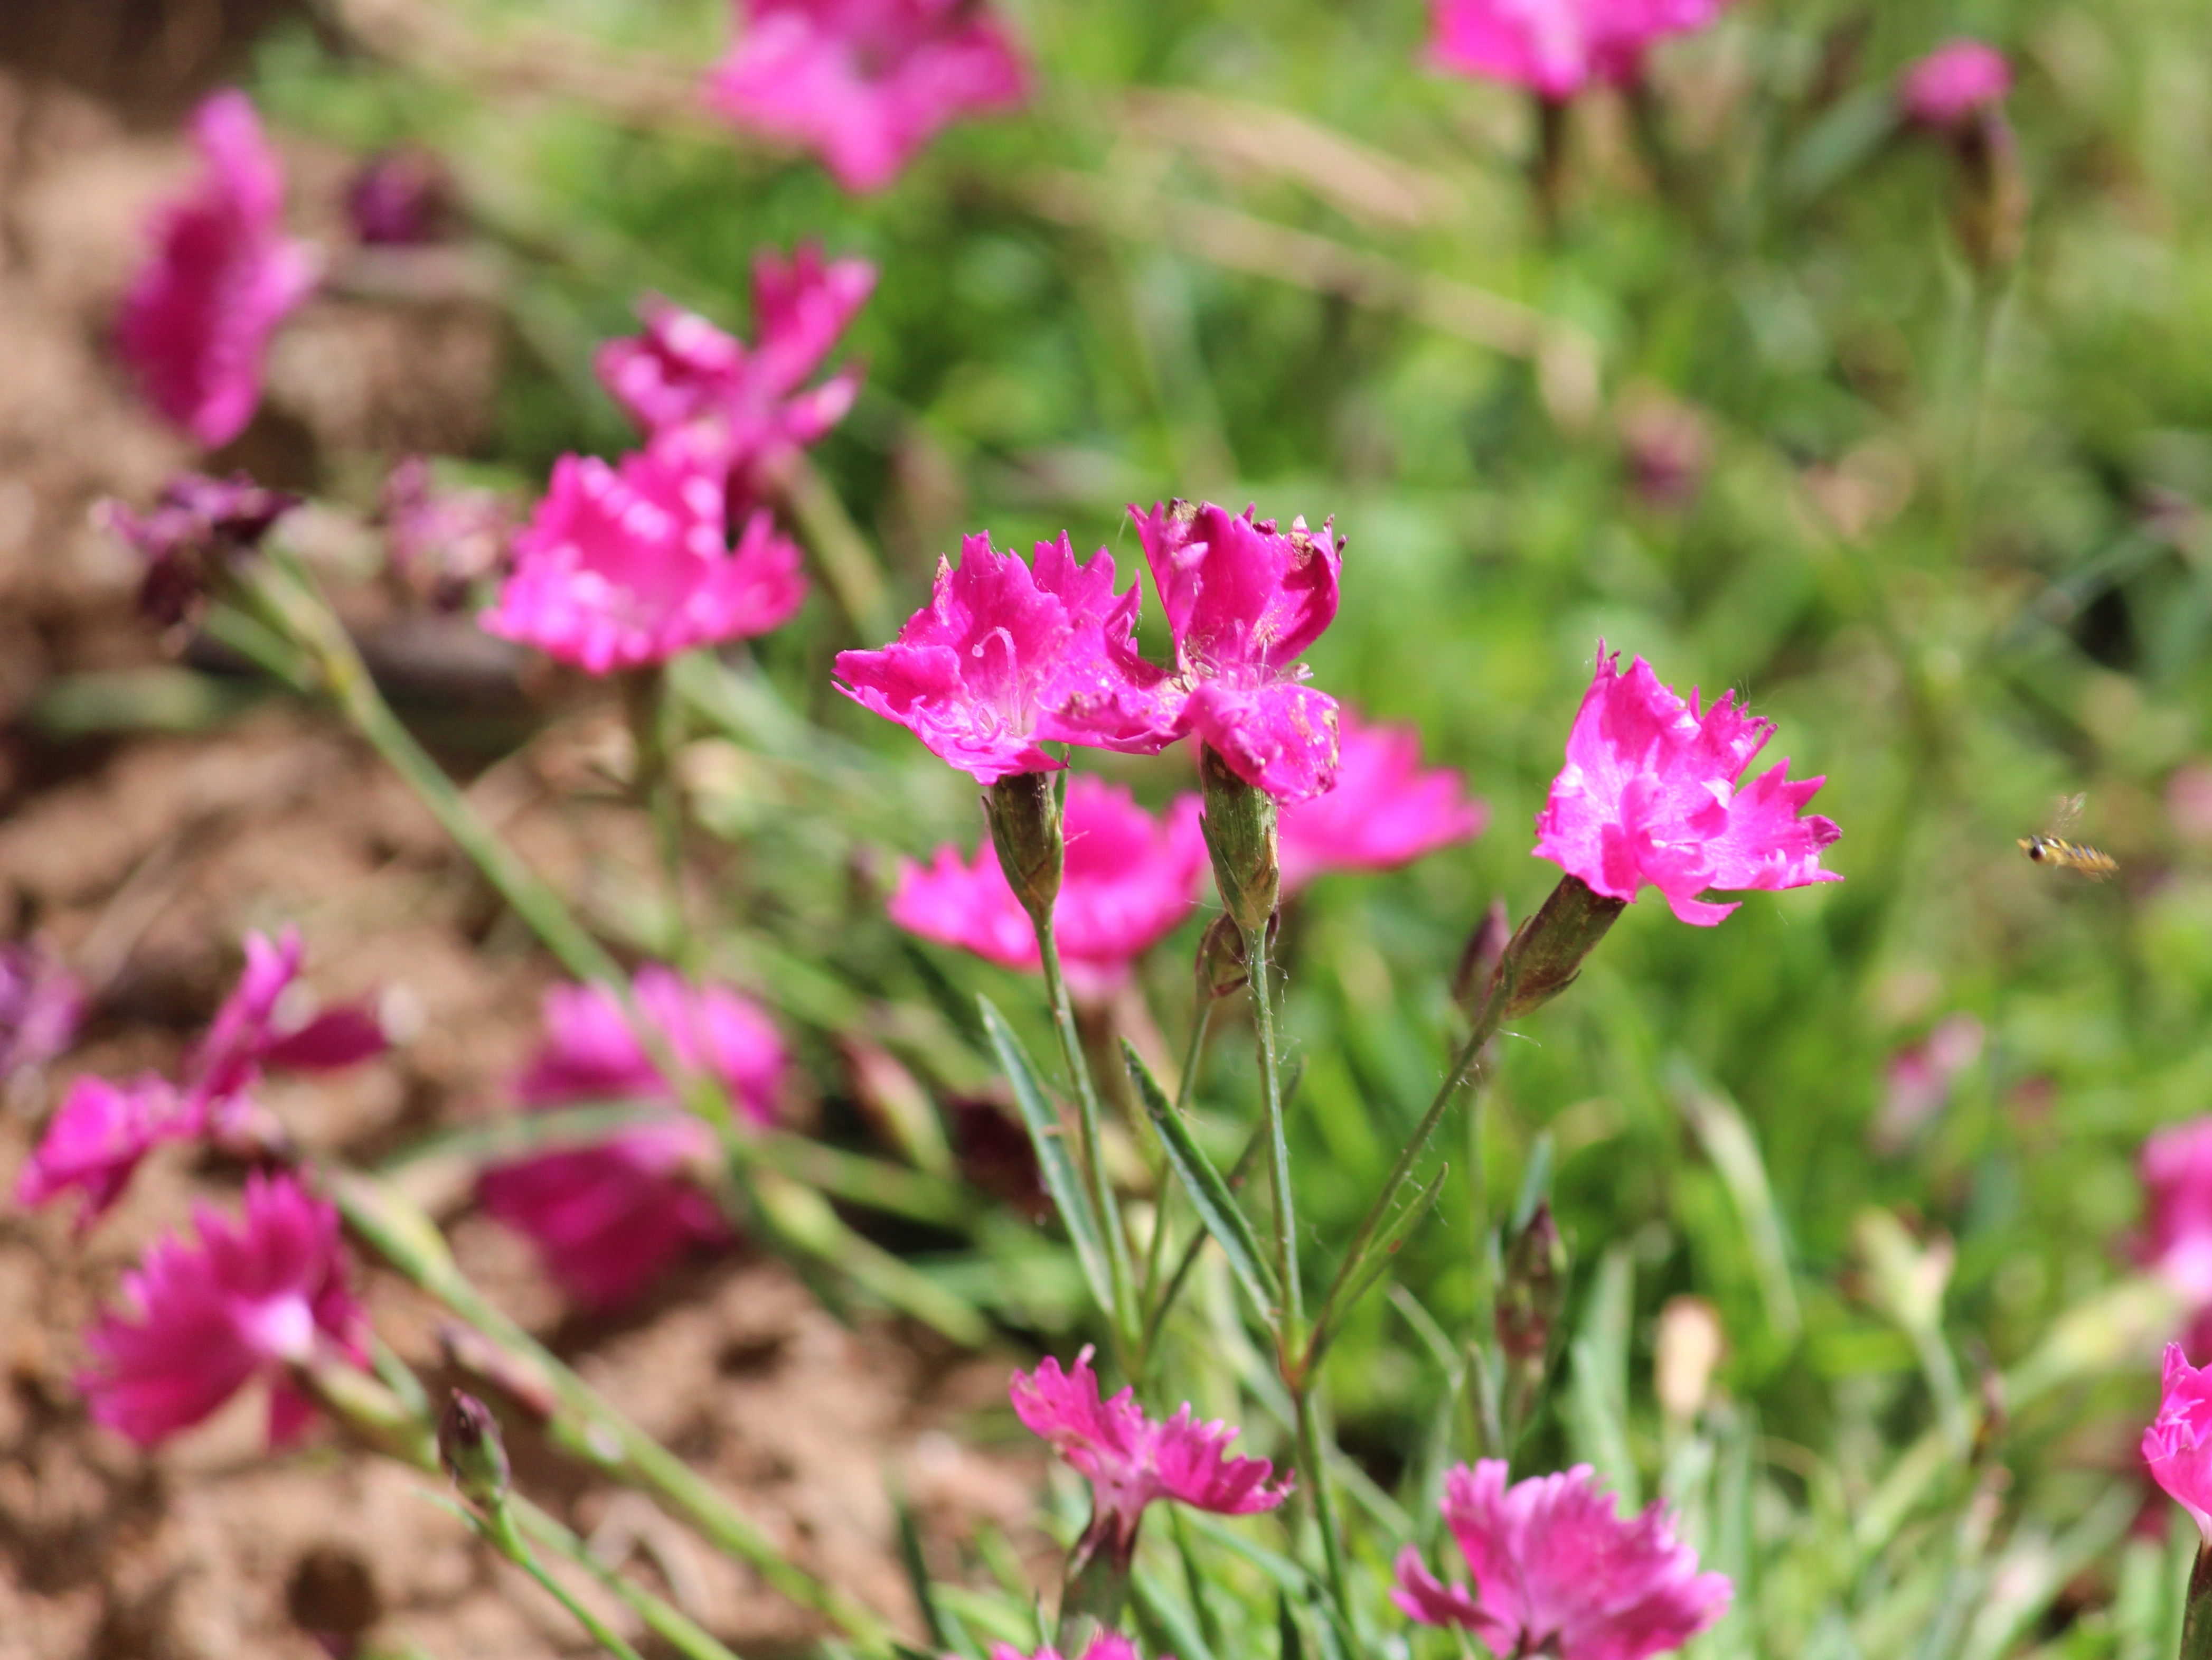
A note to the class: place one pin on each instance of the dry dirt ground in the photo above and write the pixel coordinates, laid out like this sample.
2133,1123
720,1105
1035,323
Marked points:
144,859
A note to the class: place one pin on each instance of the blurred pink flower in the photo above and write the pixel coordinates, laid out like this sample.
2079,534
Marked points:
1949,86
202,1319
2175,1167
611,1218
1919,1080
2188,801
250,1031
864,83
1558,1571
1106,1645
620,568
400,198
746,403
1558,48
96,1138
2178,1445
1007,656
440,540
1650,798
41,1005
197,320
1131,1460
1244,600
1384,811
1129,881
197,526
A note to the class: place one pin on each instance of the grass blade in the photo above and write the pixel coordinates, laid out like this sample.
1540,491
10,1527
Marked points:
1209,1194
1061,1179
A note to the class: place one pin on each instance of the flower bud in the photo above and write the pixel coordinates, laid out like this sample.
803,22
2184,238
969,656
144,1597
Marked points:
469,1448
1024,810
1534,1293
1546,952
1478,962
1240,834
1690,1346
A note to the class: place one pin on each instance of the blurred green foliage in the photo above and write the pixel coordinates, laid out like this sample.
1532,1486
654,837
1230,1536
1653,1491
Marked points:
1947,528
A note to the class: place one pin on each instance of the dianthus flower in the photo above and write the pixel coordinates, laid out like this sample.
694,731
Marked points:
1131,1460
197,528
1650,798
864,83
1384,811
1005,657
202,1319
1558,48
1919,1080
197,322
442,541
611,1217
751,403
622,568
2178,1445
41,1005
400,198
96,1138
1244,600
1558,1571
1106,1645
1953,83
1128,881
2176,1242
250,1031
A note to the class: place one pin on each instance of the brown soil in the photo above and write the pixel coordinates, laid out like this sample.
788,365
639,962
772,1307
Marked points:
144,859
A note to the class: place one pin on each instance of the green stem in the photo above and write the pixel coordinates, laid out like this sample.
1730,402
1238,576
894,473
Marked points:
2197,1623
499,1529
654,714
1311,1456
1121,1317
679,1630
1166,1300
848,567
1186,1081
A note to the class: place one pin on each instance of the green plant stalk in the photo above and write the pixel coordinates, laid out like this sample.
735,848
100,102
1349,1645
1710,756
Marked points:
2197,1623
1121,1317
407,1239
1166,1300
655,715
679,1630
1156,1252
498,1528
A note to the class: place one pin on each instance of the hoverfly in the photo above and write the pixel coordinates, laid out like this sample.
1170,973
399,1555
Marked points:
2054,850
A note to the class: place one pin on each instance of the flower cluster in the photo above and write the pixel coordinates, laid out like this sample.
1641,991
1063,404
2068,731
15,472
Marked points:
1557,48
202,1319
197,321
609,1219
864,83
1557,1570
102,1130
1130,880
1133,1460
1652,796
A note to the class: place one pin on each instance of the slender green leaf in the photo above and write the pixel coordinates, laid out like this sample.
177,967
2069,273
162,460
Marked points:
1376,1260
1216,1206
1061,1178
1597,1400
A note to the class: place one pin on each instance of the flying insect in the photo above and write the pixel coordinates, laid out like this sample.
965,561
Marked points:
2053,850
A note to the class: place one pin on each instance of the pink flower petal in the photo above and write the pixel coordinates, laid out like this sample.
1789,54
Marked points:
98,1135
2178,1445
1558,48
1953,82
1384,811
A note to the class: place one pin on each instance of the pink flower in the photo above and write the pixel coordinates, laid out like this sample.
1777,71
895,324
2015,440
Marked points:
1243,602
1953,83
197,320
611,1218
41,1005
1558,1571
400,198
746,402
1131,1460
2175,1446
195,529
250,1031
442,541
622,568
1106,1645
1129,881
1920,1078
1650,798
96,1138
203,1319
1558,48
1384,811
2175,1168
864,83
1005,657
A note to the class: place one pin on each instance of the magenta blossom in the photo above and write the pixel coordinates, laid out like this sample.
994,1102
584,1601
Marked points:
96,1138
864,83
1953,84
1650,798
41,1005
1131,1460
197,322
2176,1168
609,1219
197,528
749,404
442,541
256,1027
1919,1080
1106,1645
400,198
1558,1571
2178,1445
1384,811
1243,602
1128,881
619,569
1006,657
1556,48
202,1319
